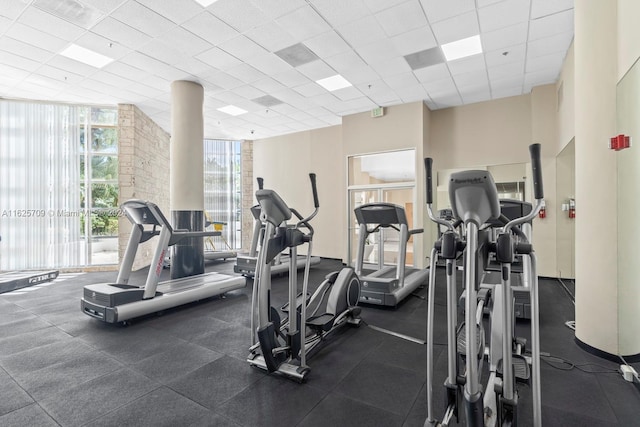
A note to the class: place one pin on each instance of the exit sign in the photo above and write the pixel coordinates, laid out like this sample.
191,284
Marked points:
377,112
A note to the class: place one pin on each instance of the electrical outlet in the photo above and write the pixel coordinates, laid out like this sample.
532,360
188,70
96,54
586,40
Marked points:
628,373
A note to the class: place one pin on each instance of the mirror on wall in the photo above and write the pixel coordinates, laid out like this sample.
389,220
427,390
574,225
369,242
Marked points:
628,228
565,201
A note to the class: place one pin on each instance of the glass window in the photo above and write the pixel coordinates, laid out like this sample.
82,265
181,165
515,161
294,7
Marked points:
382,168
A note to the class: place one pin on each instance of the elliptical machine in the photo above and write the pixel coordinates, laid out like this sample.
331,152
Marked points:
282,345
474,201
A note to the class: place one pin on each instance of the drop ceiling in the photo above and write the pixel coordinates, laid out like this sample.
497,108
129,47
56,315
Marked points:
265,56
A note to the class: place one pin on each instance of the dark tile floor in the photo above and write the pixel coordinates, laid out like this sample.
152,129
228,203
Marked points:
186,367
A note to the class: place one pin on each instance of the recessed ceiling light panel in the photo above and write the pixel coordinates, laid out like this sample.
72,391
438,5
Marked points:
206,3
232,110
462,48
86,56
334,83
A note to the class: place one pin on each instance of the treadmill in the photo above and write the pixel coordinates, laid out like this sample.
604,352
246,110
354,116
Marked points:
12,280
246,263
388,285
211,253
120,301
511,209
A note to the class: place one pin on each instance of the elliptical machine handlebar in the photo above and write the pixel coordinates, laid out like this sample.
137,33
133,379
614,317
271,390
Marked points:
260,183
538,190
428,162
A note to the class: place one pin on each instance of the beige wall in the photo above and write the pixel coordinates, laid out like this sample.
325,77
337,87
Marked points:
485,133
499,132
595,114
285,163
143,171
628,35
566,102
565,226
324,151
628,168
248,191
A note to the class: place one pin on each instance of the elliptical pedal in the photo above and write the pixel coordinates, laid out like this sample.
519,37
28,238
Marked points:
521,369
462,340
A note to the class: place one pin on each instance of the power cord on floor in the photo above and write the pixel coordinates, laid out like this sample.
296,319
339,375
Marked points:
563,364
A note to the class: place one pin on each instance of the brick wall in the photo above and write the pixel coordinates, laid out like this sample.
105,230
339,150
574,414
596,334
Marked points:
248,198
143,171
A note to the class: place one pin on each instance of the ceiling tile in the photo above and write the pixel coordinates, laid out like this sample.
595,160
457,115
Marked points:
402,18
401,81
364,74
433,73
270,86
506,92
276,8
249,92
478,95
184,41
347,93
126,70
240,15
469,64
50,24
304,23
218,58
471,80
161,52
539,63
271,36
193,66
15,74
345,61
378,5
440,86
323,99
121,33
340,12
246,73
456,28
503,14
414,41
316,70
558,43
113,79
506,70
222,79
21,62
378,51
363,31
241,47
539,78
143,19
412,93
504,37
391,67
12,8
327,44
507,83
176,11
102,45
35,37
290,78
142,62
269,64
548,7
438,10
25,50
56,74
551,25
210,28
513,54
106,6
310,89
446,101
